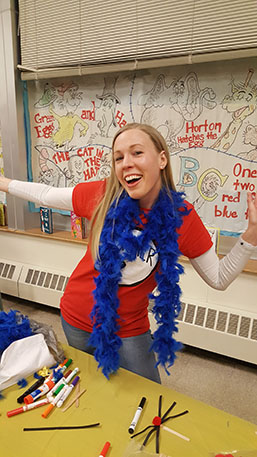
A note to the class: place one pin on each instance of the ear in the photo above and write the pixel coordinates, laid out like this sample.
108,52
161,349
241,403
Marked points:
162,160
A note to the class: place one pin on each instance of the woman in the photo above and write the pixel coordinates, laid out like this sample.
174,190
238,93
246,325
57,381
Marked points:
140,226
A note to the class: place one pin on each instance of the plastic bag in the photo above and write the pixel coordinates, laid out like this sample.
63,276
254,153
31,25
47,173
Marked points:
50,339
135,449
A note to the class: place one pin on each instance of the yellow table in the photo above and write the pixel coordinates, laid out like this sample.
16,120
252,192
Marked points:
113,404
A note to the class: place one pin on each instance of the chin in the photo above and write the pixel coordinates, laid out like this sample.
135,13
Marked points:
134,195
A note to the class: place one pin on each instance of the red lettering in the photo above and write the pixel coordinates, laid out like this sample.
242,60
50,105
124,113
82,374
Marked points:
99,153
191,126
245,172
90,173
244,186
230,198
36,119
121,122
89,114
39,131
225,213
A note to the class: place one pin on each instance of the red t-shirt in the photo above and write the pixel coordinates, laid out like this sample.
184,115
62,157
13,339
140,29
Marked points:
137,278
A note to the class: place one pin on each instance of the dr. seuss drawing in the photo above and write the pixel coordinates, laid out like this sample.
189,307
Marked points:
207,115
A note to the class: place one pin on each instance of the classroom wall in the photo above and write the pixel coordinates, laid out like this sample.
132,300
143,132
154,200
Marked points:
60,257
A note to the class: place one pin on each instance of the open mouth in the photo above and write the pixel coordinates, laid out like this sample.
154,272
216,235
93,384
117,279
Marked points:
132,179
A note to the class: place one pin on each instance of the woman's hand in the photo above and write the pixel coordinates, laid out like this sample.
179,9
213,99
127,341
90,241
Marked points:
4,183
250,235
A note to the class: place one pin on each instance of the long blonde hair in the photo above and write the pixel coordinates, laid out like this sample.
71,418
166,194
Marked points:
114,188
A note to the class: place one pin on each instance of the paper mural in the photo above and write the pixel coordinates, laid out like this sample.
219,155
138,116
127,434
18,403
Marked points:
206,113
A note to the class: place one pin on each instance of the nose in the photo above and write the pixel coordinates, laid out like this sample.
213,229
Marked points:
127,161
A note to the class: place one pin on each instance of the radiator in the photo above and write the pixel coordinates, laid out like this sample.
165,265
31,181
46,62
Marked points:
32,283
226,331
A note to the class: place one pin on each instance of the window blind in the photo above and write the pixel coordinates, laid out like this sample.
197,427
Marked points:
83,36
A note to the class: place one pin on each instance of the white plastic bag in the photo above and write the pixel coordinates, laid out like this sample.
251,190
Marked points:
22,358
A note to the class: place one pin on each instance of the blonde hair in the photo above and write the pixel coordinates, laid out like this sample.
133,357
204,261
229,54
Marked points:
114,189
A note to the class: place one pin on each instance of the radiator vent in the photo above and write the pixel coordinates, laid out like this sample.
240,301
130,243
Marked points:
42,286
45,279
226,322
9,276
7,270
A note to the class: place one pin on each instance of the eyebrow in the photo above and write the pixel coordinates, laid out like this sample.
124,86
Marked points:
132,146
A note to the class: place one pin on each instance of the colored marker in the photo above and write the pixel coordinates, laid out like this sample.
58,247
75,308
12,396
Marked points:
24,408
49,383
105,449
137,415
65,365
61,381
60,368
39,392
57,374
34,386
66,381
67,392
57,368
52,404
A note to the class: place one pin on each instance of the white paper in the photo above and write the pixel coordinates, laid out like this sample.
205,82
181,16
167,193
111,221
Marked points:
23,358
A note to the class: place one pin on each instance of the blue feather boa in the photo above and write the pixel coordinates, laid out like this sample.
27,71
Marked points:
118,244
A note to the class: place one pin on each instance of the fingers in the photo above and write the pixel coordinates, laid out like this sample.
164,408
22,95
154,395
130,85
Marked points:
251,199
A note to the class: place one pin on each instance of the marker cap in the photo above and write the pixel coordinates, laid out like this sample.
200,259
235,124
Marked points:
142,403
59,388
63,363
14,412
35,386
30,398
47,411
105,449
67,364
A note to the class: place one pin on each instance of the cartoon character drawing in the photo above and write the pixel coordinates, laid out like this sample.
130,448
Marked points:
76,166
48,97
184,96
241,103
105,112
105,166
50,173
250,137
208,184
69,99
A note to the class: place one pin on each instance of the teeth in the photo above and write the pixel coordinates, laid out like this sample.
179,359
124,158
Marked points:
131,177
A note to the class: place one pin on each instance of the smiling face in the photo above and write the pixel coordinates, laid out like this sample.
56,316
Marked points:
138,166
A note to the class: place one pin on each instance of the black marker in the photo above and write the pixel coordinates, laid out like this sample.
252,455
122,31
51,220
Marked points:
37,384
137,415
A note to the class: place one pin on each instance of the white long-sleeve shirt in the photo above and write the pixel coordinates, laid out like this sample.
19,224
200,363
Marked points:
217,273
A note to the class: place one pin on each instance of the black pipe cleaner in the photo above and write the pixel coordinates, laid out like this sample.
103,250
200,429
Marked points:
157,422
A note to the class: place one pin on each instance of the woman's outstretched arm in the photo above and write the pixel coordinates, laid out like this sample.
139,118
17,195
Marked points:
219,273
53,197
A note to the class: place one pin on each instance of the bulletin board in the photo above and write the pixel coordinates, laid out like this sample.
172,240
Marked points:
206,113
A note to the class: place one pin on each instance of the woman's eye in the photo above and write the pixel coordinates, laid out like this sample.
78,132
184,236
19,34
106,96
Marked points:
117,159
137,153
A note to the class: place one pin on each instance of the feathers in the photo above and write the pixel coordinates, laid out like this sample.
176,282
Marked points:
118,243
13,327
22,383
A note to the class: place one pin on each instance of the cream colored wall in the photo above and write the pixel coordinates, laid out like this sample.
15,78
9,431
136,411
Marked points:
59,255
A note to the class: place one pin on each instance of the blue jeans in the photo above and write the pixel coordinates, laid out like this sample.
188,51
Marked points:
134,352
